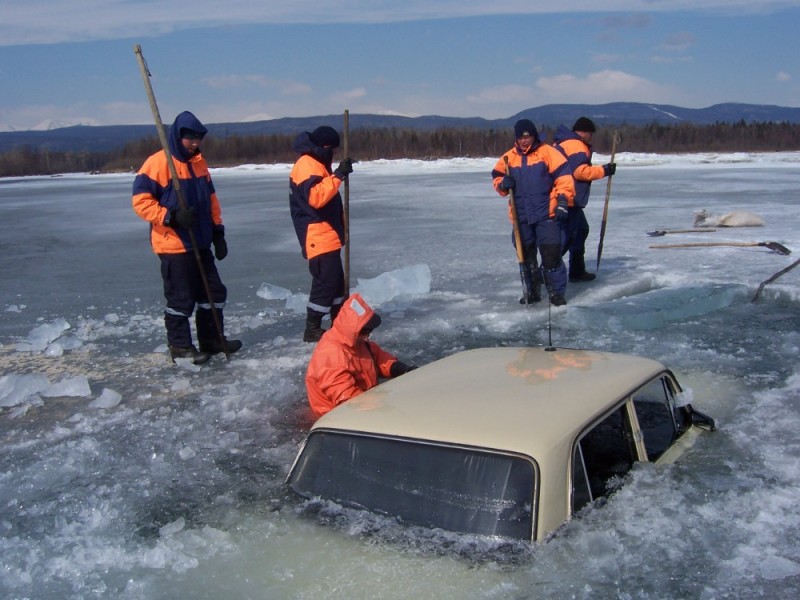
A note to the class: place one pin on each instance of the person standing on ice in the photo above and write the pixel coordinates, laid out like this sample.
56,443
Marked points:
576,145
318,218
345,362
543,190
155,201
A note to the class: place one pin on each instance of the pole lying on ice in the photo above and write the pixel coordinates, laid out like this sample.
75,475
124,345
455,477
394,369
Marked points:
774,246
162,136
663,232
605,207
346,212
517,236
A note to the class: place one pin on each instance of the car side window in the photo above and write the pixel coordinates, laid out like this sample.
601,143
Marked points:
659,420
581,494
603,455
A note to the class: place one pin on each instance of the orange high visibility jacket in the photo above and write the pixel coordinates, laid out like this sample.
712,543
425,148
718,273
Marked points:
579,157
314,200
154,195
541,175
343,364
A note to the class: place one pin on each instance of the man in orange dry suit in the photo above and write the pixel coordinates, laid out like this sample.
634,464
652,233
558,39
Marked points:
543,190
318,217
345,362
576,145
155,201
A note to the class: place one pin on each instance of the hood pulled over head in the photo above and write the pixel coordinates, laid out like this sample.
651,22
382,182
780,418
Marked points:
184,122
354,317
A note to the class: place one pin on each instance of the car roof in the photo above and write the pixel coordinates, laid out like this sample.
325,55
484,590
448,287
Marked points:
522,400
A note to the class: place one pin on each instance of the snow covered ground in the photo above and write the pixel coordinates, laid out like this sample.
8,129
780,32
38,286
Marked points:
124,476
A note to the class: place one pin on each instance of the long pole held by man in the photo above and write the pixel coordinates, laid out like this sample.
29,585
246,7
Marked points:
512,205
346,206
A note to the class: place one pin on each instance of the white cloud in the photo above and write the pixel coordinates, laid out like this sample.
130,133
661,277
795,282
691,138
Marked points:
600,87
782,76
53,21
348,95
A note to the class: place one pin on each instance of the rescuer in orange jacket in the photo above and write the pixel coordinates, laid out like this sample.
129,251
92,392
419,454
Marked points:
576,145
156,201
318,217
346,362
543,189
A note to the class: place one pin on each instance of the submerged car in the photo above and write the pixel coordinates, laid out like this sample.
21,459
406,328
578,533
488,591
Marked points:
506,442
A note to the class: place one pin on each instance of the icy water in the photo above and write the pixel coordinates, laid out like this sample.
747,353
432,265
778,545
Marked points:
124,476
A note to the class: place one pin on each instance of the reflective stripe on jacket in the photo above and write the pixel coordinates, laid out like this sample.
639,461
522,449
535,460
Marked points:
579,157
344,365
541,175
314,200
154,195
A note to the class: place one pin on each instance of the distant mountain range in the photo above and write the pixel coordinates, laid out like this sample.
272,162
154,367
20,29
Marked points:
94,138
49,124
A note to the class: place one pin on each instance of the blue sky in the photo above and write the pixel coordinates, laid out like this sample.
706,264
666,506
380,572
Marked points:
68,61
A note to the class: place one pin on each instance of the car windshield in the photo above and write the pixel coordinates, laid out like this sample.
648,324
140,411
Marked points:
458,489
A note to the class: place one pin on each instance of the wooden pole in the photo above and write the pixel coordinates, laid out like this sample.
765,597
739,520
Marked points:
346,215
605,207
517,236
774,246
773,278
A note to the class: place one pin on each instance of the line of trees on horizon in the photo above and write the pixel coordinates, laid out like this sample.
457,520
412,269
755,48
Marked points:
395,143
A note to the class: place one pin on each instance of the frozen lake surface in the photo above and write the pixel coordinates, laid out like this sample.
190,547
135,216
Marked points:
124,476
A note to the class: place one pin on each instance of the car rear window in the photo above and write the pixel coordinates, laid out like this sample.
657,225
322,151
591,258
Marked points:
458,489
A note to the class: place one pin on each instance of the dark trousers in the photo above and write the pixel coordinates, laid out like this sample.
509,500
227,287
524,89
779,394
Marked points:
327,282
183,290
577,232
548,237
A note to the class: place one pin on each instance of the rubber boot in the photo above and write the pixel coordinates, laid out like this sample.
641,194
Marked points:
532,278
314,331
556,299
179,340
214,346
577,269
536,277
198,358
207,334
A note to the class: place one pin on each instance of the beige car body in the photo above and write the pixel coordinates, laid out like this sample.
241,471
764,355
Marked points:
533,402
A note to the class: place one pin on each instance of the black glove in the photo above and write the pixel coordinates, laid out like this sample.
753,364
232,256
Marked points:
562,214
181,217
220,245
400,368
344,169
609,169
508,183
